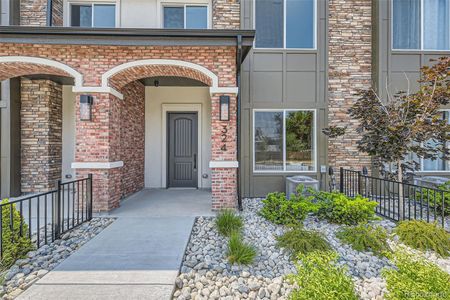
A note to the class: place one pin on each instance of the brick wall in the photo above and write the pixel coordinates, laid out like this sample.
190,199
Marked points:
132,138
57,13
349,70
226,14
33,12
41,134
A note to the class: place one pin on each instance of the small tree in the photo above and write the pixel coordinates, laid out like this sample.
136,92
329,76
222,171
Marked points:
406,123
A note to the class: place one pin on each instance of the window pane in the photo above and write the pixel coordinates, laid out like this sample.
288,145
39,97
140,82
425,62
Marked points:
268,133
406,24
300,141
436,27
104,16
81,16
174,17
269,24
196,17
438,164
300,20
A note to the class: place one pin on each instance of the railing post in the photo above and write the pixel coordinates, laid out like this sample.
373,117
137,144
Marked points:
89,196
359,183
57,212
341,179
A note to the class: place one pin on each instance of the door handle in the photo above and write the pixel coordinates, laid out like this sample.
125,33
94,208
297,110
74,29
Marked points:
195,161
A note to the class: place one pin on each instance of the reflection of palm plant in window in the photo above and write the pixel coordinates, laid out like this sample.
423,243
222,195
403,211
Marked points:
298,131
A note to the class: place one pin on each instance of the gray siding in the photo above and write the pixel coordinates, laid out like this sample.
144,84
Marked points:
276,79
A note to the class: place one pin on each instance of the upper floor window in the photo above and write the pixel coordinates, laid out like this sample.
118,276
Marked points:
285,24
185,16
93,15
421,24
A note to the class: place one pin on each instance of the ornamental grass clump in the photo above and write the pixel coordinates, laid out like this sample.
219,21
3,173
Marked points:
424,236
320,278
240,252
415,278
228,222
15,245
365,237
301,241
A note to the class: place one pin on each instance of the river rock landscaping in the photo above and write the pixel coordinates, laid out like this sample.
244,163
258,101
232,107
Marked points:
207,274
39,262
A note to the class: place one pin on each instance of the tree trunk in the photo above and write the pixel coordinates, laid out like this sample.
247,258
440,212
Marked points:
401,203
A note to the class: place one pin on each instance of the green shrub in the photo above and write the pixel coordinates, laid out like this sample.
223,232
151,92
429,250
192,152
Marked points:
301,241
428,196
415,278
14,245
228,222
320,278
280,210
424,236
238,251
365,237
338,208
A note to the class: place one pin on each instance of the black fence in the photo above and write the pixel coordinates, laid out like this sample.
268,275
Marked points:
396,200
46,216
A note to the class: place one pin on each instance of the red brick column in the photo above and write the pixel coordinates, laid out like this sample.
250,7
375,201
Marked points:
98,150
223,158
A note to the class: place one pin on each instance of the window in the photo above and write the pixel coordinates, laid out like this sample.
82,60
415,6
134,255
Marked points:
285,24
93,15
438,164
421,24
185,17
284,140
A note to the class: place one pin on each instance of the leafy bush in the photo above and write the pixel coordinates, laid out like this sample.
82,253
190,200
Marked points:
365,237
338,208
280,210
301,241
320,278
238,251
228,222
14,245
428,196
424,236
415,278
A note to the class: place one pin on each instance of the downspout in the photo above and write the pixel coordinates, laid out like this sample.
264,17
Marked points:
238,116
49,13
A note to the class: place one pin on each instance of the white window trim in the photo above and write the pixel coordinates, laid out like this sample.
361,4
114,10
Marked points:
422,22
284,30
284,171
67,11
163,4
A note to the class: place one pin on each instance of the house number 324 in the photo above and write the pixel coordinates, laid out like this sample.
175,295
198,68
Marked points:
223,135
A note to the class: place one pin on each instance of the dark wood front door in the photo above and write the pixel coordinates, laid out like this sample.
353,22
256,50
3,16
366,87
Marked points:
182,147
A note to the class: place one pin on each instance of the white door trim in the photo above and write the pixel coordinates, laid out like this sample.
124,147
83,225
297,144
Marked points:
181,108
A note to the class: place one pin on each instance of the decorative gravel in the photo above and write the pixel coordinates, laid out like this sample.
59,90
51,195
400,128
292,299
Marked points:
27,271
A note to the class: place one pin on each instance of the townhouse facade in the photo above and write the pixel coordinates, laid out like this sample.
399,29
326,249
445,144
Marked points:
225,95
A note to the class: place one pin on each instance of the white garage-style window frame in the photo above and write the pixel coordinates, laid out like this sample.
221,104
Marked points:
284,140
195,15
98,9
285,24
420,25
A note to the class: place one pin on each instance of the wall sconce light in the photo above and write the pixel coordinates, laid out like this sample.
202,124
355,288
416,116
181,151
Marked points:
224,108
86,102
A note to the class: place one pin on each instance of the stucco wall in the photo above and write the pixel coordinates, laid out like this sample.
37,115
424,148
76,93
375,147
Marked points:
154,129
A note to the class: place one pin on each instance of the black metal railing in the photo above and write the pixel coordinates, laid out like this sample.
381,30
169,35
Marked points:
44,217
396,200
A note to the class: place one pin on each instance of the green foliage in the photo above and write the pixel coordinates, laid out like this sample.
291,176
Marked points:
338,208
280,210
415,278
228,222
424,236
14,245
320,278
365,237
238,251
301,241
429,197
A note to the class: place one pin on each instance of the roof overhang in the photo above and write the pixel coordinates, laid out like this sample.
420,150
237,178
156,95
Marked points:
126,36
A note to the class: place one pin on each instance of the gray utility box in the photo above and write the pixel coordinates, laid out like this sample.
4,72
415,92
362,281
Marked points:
294,181
430,181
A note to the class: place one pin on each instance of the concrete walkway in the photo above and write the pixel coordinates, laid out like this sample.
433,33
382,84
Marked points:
137,257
